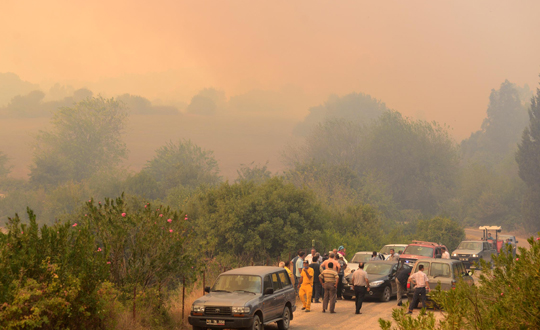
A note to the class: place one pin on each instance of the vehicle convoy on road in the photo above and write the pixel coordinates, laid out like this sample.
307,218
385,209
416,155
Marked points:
470,252
381,275
385,251
447,272
246,298
419,250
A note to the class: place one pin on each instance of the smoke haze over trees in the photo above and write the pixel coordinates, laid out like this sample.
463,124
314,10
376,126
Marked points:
352,149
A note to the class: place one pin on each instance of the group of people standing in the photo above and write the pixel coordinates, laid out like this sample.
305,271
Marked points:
315,276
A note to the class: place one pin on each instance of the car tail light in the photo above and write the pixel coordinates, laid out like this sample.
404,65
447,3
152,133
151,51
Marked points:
453,285
408,285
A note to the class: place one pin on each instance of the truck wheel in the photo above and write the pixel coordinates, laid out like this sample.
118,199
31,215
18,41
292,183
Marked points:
283,324
387,294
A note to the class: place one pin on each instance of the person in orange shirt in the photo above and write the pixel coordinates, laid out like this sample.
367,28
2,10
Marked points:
331,259
306,286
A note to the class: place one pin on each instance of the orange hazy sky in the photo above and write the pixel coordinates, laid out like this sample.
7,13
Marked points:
433,59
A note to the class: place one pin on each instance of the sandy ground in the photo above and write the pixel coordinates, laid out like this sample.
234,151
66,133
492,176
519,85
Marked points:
344,318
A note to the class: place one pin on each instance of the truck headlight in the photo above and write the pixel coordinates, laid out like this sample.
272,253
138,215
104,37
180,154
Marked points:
475,255
454,254
376,283
240,310
197,308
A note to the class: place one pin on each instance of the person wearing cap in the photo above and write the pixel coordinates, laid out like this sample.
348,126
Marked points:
306,286
341,251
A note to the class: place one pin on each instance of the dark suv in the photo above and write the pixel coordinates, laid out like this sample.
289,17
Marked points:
246,298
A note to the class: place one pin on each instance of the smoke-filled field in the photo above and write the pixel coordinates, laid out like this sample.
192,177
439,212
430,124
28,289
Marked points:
235,140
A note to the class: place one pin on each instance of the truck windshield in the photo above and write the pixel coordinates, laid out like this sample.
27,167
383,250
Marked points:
419,250
231,283
476,246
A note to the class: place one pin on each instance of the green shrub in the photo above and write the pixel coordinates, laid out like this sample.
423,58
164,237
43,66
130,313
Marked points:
50,277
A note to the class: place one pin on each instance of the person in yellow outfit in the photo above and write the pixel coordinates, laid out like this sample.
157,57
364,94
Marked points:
306,286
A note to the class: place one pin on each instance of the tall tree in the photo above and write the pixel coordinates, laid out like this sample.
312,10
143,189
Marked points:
183,164
528,159
356,107
85,139
501,129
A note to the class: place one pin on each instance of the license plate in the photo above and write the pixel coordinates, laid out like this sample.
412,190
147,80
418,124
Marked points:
215,322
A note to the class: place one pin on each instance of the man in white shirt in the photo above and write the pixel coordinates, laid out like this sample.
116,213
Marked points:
445,254
421,288
310,256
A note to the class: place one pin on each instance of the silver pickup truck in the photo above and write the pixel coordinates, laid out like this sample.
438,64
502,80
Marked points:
470,252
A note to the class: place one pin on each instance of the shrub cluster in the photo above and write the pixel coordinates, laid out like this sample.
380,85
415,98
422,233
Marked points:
67,276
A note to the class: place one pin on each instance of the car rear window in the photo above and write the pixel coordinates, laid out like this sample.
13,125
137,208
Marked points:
419,250
439,269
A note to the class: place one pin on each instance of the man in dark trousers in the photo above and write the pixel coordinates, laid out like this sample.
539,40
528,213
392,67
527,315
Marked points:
420,289
360,285
402,276
317,286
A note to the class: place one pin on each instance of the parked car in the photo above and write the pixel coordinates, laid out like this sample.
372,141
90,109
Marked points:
246,298
419,250
447,272
385,251
381,276
358,257
470,252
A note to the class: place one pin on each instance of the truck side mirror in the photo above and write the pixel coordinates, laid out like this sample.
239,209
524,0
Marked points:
207,289
268,291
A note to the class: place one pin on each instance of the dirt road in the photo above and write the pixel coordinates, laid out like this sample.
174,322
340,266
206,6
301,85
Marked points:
344,317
